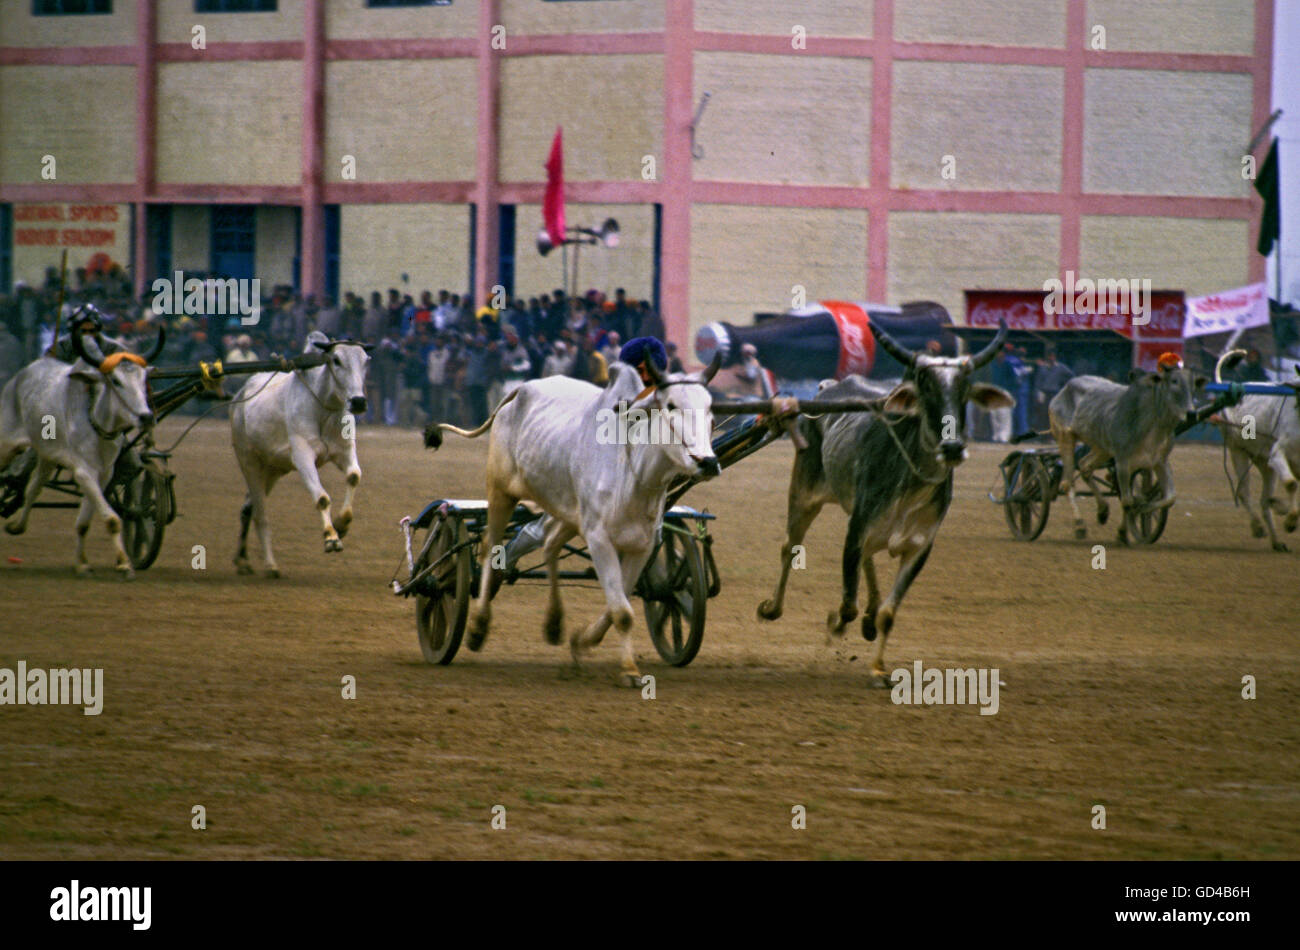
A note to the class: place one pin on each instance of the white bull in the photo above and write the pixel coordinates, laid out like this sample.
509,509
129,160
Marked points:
73,416
588,458
299,420
1264,432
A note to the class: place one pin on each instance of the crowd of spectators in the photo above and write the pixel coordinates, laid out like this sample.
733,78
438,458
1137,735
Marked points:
435,356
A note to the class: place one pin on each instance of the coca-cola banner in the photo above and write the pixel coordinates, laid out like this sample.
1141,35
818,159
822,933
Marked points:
1027,310
1229,310
857,345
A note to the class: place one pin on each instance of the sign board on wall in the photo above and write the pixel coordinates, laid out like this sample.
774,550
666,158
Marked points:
42,231
1230,310
1026,310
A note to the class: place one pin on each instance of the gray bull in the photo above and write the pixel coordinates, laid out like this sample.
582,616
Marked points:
1133,424
299,420
73,416
891,472
1264,431
555,441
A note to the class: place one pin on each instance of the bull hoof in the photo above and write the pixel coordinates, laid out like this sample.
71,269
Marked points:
1103,515
272,573
83,570
553,628
629,680
333,545
1122,537
1290,524
128,573
341,526
1280,546
1257,531
243,567
868,629
880,680
478,631
1080,531
768,610
13,527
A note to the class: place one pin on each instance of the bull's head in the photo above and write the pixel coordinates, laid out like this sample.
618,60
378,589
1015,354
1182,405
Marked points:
1174,388
684,405
937,388
345,371
124,401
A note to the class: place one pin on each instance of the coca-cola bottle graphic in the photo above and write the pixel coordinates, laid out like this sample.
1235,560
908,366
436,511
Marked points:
830,339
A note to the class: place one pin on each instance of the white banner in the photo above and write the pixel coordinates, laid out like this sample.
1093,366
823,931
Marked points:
1230,310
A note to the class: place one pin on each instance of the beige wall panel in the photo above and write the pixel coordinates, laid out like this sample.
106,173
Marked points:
403,120
1157,132
353,20
1004,23
230,123
630,265
192,237
800,119
937,256
428,243
820,18
273,247
746,259
611,108
1001,124
1196,255
19,28
82,115
177,19
1177,26
593,16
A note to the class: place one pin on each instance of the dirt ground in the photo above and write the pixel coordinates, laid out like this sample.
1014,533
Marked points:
1123,688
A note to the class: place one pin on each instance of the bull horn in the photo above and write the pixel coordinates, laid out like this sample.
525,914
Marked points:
156,352
651,370
712,369
1227,361
86,349
893,347
986,355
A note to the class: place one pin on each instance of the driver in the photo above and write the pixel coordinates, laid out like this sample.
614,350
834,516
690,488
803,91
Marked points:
91,322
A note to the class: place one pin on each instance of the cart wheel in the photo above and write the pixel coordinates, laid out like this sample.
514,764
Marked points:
143,502
675,588
1145,524
1028,498
440,613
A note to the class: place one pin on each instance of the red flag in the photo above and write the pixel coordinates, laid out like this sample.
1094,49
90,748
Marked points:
553,202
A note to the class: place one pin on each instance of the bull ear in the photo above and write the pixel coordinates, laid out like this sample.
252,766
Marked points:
1138,375
987,396
903,399
86,376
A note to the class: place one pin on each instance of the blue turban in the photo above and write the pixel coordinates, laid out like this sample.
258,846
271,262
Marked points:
642,348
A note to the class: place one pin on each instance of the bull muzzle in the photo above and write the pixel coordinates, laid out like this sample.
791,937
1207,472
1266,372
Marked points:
709,467
357,404
147,419
952,451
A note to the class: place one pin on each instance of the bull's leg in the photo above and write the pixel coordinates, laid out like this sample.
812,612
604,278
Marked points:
241,548
873,598
1088,472
351,470
1287,480
304,460
633,563
618,610
851,561
40,475
1242,466
1268,477
1124,485
84,516
1065,444
559,535
801,511
88,482
500,507
908,570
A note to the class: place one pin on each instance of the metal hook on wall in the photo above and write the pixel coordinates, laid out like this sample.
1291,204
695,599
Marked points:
697,151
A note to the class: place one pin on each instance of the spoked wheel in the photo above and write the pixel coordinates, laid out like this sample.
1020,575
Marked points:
1145,522
1028,498
675,588
143,501
442,603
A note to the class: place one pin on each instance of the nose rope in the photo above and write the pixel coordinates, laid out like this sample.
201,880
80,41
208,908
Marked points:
889,427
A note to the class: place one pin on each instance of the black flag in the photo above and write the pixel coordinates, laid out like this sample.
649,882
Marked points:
1270,220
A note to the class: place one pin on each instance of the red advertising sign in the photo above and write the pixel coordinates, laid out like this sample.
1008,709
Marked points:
1161,332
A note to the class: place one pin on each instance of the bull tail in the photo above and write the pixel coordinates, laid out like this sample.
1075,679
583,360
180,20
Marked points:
434,430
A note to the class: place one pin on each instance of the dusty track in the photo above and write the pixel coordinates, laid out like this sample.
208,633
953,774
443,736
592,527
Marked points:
1123,687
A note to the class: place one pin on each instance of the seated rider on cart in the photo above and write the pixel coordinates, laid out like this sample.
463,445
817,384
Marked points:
91,323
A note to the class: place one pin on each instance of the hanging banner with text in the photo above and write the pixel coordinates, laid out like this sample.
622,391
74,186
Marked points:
1225,312
95,235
